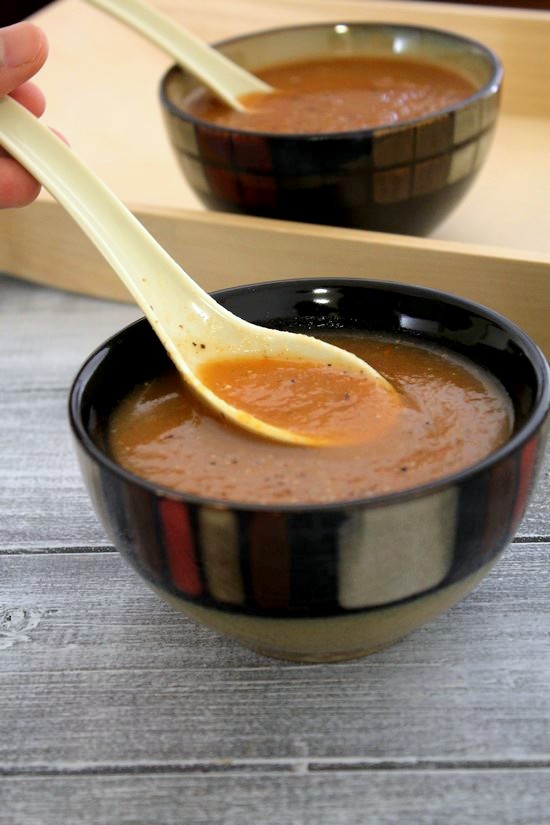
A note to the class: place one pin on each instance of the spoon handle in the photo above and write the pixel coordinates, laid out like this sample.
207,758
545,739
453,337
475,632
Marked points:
192,326
175,305
225,78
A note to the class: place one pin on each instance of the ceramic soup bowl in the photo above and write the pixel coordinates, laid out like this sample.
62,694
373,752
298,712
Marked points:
403,178
331,581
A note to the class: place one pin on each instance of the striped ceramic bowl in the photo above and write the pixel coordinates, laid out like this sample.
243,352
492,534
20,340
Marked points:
332,581
401,178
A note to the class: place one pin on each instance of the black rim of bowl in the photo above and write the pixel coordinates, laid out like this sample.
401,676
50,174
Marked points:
490,87
541,405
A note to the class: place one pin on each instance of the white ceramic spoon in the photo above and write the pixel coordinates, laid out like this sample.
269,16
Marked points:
227,80
193,327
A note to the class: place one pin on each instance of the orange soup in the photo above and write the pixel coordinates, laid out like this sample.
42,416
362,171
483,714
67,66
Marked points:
339,95
450,415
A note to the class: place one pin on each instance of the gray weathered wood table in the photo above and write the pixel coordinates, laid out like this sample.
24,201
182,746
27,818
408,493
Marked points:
115,709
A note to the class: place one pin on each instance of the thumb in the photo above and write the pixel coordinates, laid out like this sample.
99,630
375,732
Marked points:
23,50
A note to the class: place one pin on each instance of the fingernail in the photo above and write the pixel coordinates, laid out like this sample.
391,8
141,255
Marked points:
19,44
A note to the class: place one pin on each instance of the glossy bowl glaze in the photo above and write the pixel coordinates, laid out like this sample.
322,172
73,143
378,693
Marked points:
332,581
403,178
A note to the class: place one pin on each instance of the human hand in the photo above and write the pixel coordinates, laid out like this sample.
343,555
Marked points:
23,50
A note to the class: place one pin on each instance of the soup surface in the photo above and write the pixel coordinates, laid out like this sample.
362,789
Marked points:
339,95
451,414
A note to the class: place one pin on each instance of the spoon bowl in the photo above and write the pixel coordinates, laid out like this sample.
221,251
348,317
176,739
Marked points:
193,327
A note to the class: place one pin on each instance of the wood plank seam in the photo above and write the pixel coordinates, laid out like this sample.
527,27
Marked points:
105,549
45,550
288,765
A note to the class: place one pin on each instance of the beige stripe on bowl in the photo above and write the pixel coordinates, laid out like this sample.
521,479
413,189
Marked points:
390,553
219,533
462,162
467,122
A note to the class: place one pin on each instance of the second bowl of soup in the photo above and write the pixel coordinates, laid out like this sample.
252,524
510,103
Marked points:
372,126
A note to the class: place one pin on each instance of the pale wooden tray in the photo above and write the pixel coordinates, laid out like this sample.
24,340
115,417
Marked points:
101,81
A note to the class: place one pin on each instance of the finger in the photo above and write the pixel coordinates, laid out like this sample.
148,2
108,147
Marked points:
17,186
31,97
23,50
